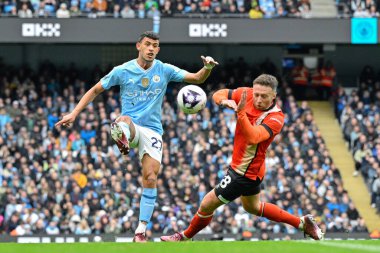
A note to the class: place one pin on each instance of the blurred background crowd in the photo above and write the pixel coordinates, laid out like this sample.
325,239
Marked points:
358,112
76,181
184,8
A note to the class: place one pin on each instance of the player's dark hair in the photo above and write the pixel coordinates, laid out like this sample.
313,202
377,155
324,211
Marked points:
266,80
150,35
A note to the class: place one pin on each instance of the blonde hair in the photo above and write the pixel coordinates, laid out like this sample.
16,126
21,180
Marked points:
266,80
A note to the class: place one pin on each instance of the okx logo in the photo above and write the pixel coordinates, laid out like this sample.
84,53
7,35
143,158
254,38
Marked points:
41,30
208,30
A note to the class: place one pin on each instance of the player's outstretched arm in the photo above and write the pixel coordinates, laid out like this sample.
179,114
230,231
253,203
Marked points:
220,97
87,98
203,73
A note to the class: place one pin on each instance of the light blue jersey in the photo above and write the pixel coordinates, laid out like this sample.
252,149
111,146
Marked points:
142,91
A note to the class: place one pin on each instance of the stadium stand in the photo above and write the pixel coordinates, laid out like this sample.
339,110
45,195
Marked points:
189,8
76,181
331,132
165,8
358,112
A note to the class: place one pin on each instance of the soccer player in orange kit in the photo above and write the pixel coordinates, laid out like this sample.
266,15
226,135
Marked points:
259,120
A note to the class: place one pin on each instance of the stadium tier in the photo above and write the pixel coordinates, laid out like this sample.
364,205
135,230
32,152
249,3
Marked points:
358,114
255,9
165,8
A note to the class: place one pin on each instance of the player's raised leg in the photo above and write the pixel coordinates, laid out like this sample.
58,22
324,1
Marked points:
200,220
150,171
253,205
122,131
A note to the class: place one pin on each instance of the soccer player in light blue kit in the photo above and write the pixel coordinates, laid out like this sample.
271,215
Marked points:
143,83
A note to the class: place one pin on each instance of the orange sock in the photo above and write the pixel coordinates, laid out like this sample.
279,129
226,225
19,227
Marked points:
274,213
199,222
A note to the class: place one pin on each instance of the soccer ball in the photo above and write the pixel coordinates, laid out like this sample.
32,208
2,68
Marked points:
191,99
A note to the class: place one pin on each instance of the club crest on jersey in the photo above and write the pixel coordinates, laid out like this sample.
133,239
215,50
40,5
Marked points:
145,82
156,78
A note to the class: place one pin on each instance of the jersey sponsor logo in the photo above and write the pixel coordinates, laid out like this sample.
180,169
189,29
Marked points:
156,78
143,93
145,82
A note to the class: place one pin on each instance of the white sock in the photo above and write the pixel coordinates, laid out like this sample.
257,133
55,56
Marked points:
125,127
141,228
184,236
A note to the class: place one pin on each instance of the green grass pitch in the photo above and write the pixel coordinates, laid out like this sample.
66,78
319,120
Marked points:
344,246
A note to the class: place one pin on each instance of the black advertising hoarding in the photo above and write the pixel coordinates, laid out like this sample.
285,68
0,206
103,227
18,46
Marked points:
71,30
176,30
257,31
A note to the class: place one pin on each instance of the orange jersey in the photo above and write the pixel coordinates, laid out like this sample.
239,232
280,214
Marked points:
249,159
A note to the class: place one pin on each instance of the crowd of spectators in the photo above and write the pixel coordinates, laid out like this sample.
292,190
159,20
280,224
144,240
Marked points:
75,181
148,8
358,8
180,8
359,115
